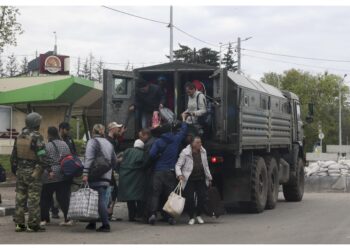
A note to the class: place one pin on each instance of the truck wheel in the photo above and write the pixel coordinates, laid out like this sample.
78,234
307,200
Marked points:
258,184
273,182
294,189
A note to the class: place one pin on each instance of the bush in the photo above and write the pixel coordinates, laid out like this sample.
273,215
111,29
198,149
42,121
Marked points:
80,146
5,162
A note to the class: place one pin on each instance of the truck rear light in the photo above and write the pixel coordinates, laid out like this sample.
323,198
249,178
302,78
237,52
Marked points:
216,159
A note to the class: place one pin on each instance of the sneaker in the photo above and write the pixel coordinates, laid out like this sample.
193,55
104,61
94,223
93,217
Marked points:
104,229
200,220
91,226
35,229
152,220
191,222
20,228
171,221
43,223
67,223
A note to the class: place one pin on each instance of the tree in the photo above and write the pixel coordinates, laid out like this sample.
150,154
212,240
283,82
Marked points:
24,66
86,69
9,27
91,63
202,56
272,78
228,61
11,66
78,67
99,71
2,72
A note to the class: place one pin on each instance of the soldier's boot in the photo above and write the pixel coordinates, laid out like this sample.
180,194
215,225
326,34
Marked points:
34,229
20,228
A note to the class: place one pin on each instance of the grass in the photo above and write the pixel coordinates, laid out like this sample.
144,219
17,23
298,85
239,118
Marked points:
5,162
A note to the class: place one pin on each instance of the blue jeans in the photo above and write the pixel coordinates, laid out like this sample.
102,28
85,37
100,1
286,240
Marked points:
102,207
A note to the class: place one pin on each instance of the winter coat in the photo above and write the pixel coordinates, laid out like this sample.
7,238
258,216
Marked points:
184,165
199,109
132,175
149,101
167,146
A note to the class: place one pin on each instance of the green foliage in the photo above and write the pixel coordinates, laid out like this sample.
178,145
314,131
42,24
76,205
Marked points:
201,56
9,27
5,162
323,91
228,61
80,146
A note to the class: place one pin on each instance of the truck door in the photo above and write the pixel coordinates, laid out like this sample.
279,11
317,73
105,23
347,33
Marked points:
118,96
226,115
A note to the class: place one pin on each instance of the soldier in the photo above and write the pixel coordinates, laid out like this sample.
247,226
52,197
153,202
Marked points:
29,156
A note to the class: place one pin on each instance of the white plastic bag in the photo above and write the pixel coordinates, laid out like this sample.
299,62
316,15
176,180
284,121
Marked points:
175,203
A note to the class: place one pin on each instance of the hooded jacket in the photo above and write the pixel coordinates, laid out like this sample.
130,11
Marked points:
167,149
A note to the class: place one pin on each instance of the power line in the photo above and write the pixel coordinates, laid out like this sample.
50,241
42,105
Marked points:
300,64
299,57
140,17
196,38
161,22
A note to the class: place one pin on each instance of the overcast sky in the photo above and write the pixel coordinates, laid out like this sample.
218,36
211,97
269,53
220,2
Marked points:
322,32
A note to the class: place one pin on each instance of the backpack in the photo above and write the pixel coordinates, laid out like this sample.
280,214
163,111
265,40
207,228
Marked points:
2,174
71,165
206,120
100,165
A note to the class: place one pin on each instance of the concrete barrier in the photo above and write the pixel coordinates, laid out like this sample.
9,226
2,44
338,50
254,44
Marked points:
321,156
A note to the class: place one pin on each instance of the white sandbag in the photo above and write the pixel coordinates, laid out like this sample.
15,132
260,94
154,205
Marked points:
326,163
334,166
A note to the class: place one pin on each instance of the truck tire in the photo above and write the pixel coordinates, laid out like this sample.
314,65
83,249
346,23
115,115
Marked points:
294,189
258,186
273,182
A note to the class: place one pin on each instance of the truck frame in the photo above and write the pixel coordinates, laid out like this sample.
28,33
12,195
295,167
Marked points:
256,143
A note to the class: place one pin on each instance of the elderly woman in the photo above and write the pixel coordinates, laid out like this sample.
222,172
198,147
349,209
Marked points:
132,179
192,169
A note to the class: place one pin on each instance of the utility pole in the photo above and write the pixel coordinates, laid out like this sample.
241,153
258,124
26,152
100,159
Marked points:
220,57
340,127
171,35
55,47
239,55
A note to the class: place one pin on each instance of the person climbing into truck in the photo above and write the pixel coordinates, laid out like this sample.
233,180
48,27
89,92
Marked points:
149,97
196,107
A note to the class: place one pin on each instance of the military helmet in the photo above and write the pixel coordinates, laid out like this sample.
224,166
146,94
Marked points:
33,120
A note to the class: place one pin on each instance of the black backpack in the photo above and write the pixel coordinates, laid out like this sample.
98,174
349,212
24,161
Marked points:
100,166
206,120
2,174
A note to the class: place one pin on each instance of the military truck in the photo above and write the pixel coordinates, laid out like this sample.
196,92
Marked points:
256,143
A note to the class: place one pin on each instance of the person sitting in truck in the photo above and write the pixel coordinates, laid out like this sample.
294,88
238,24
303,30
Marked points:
148,98
167,88
196,107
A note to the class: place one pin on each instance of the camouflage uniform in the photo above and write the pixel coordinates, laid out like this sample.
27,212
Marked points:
29,156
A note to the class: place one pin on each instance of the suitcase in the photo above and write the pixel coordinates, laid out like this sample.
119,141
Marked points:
167,115
214,206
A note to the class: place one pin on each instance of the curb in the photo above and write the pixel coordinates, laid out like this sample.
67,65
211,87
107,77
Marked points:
7,211
8,184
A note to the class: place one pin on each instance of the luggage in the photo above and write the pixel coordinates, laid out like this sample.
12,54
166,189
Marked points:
167,115
71,166
83,205
175,203
214,205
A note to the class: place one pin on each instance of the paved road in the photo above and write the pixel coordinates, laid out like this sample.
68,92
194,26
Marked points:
319,218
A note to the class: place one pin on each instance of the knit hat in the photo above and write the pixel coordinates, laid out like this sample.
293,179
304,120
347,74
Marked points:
139,144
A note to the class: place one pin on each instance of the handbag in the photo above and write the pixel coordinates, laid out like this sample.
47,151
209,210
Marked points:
175,203
100,166
214,206
83,204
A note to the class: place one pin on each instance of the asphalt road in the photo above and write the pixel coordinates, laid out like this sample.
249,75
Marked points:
319,218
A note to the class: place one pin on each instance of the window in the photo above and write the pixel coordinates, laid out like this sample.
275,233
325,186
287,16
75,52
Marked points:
246,101
298,112
120,87
264,102
286,108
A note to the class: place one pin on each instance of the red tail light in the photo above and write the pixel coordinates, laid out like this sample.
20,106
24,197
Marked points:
216,159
